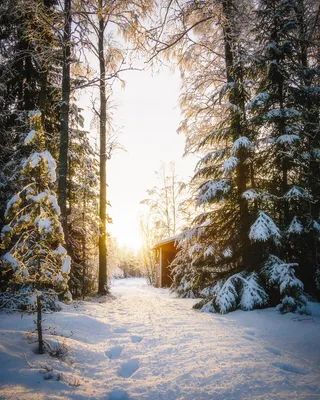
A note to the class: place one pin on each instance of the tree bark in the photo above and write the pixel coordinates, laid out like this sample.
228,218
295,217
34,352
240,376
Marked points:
235,98
64,120
39,326
84,255
102,287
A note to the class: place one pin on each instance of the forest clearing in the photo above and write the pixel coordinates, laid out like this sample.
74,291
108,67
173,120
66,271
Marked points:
147,344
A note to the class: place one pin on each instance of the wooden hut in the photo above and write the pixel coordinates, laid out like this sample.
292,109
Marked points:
166,250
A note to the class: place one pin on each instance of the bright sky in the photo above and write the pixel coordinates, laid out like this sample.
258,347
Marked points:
149,115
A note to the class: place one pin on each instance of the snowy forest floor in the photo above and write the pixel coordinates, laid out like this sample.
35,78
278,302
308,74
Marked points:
146,344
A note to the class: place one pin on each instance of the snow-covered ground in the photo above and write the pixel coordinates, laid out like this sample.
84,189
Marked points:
147,344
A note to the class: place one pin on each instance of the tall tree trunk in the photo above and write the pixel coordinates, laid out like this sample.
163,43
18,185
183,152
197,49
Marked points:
64,120
43,96
84,255
38,286
102,287
278,80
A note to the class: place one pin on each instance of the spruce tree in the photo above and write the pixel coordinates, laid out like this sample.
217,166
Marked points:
218,247
241,102
283,196
305,94
37,264
29,79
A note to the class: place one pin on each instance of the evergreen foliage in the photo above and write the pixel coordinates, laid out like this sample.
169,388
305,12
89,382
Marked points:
250,100
83,222
35,260
29,80
252,103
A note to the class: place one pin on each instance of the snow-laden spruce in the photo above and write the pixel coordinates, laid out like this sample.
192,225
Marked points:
239,291
264,229
295,227
241,143
258,186
283,112
213,190
281,276
34,260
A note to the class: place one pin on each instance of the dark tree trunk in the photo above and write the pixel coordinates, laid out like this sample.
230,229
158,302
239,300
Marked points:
38,286
278,80
233,76
102,287
43,96
83,240
64,120
39,326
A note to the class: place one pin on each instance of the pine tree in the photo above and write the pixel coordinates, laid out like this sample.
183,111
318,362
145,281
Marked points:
35,260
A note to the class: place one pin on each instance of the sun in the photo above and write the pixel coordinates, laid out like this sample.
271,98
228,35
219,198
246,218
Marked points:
129,239
133,242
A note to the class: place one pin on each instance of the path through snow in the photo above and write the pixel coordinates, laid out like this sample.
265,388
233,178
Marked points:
147,344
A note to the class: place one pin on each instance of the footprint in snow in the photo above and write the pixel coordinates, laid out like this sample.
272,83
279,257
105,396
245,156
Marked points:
290,368
121,330
136,339
274,351
248,338
118,394
129,368
114,352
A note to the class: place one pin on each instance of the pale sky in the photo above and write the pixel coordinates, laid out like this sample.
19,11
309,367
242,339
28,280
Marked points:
148,114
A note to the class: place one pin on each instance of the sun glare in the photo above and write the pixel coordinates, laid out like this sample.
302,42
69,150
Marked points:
129,240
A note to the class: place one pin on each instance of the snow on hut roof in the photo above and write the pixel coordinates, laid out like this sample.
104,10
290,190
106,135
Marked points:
165,241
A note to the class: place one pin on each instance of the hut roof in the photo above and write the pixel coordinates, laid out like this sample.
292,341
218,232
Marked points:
165,241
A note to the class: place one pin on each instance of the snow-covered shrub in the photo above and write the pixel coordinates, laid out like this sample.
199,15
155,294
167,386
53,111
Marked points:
212,290
281,276
58,350
238,291
227,297
253,295
25,300
184,289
